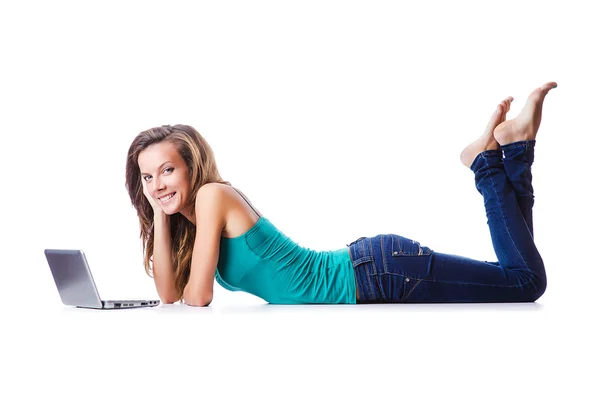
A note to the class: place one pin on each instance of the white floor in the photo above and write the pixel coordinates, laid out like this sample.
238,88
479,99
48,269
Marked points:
464,349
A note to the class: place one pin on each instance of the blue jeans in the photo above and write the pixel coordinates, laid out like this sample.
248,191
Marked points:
391,268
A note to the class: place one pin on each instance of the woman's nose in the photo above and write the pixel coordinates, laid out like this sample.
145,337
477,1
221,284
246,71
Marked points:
159,186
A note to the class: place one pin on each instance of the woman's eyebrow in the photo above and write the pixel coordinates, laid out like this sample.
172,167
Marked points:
144,173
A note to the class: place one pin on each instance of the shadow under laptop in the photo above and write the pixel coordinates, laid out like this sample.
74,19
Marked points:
160,309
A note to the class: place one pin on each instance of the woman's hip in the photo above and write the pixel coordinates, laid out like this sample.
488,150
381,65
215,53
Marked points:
388,267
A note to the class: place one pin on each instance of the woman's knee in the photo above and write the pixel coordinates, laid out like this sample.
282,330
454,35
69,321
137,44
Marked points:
537,285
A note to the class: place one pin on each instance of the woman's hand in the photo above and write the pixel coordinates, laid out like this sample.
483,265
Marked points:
154,203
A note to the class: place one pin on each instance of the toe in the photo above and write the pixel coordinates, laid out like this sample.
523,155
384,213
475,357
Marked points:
540,93
503,107
547,87
494,120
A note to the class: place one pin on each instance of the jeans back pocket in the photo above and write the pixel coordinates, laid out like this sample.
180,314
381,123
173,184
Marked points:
402,246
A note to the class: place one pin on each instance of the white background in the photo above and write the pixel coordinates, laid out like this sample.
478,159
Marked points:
338,119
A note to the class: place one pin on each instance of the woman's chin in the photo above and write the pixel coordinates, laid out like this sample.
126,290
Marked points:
169,211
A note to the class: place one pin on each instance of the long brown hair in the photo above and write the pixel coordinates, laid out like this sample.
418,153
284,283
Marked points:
202,169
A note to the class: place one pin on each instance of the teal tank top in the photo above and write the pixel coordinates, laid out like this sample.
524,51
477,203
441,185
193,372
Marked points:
266,263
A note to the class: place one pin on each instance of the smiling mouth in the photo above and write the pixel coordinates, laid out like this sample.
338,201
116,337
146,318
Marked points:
167,198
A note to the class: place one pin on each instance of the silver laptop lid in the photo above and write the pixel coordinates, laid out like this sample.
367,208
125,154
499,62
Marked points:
73,278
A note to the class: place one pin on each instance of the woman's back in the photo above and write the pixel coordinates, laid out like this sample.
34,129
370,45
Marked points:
265,262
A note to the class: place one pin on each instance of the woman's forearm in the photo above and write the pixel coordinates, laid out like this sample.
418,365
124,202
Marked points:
162,264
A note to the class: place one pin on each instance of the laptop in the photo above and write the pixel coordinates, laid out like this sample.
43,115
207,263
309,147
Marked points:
76,285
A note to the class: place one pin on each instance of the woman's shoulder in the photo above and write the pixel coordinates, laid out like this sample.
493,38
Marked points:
229,197
213,186
239,212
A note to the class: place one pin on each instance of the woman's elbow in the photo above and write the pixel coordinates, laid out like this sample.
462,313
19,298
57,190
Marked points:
198,301
168,299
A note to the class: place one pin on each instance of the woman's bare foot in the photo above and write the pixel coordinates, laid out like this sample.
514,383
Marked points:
487,140
525,126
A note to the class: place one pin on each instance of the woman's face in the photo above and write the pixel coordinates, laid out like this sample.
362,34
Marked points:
165,173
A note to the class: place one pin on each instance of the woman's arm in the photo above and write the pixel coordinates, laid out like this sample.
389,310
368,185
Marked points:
210,215
162,265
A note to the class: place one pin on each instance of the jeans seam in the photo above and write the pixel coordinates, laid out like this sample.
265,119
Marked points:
529,281
383,256
372,294
407,294
504,217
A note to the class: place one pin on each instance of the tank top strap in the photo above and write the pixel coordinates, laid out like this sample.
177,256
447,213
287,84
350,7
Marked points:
251,206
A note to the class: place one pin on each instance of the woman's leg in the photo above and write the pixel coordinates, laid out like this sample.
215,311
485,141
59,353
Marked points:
517,140
517,159
391,268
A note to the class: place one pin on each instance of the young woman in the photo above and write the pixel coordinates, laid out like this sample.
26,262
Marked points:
196,227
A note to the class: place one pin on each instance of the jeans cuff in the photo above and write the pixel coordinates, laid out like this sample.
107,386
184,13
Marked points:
525,144
481,158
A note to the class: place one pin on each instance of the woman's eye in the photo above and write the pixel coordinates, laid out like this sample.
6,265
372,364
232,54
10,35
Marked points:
166,169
